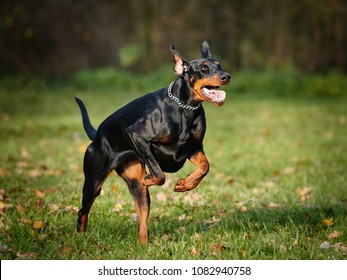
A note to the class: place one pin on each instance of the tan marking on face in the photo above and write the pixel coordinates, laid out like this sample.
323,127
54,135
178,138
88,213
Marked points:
213,81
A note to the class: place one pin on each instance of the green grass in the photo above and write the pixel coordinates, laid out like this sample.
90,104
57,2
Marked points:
276,188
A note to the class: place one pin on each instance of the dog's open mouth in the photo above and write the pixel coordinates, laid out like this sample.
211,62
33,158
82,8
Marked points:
213,95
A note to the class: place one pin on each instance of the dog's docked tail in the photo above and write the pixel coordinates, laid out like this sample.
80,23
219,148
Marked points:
89,129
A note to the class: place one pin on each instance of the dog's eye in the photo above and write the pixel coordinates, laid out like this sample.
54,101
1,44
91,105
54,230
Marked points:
204,68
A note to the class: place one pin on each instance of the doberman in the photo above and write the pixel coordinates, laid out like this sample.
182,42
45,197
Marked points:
157,132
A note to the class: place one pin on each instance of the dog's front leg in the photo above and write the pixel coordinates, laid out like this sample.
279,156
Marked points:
142,147
193,179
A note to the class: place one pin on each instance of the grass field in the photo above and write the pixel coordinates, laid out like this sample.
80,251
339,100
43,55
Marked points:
277,187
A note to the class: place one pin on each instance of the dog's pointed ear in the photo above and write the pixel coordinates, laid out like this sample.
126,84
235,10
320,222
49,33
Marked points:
181,65
205,50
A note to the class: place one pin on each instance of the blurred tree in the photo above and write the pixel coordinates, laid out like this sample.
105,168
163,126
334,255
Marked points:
58,37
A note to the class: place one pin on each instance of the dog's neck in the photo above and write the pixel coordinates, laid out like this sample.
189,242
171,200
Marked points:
182,94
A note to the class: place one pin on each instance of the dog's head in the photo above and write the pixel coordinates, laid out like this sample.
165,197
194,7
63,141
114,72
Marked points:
204,75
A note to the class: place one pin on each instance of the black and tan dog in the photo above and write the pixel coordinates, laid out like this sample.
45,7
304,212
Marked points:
157,132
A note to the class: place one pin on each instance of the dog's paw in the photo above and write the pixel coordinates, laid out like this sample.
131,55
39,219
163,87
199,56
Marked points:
147,180
150,180
181,186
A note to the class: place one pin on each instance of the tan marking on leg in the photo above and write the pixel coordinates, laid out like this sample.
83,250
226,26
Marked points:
133,173
193,179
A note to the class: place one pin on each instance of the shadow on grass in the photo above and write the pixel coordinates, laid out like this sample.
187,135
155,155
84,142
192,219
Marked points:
313,219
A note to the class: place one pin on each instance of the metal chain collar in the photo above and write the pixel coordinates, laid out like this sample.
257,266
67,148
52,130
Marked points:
174,98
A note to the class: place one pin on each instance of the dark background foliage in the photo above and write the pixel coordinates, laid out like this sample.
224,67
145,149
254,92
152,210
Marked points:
56,38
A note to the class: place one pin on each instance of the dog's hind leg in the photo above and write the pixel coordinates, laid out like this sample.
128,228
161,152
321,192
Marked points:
133,173
96,171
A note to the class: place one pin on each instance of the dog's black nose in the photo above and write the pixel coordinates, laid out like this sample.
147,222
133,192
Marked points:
225,77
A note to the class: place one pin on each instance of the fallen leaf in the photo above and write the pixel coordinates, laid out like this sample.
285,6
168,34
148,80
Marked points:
3,248
328,222
217,248
20,209
26,256
266,131
114,188
181,229
324,245
222,212
271,241
38,225
272,205
39,203
256,191
84,256
230,180
39,193
289,170
214,220
241,206
3,227
196,237
54,172
66,250
341,247
34,173
10,159
244,253
194,199
282,248
166,237
304,194
117,208
342,120
4,207
3,172
51,190
22,164
5,117
335,234
53,207
44,166
25,154
25,221
182,217
71,208
193,251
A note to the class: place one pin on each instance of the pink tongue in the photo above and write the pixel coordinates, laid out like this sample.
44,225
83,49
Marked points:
215,95
220,94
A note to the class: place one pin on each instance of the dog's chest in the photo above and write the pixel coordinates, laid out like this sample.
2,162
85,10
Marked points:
175,146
